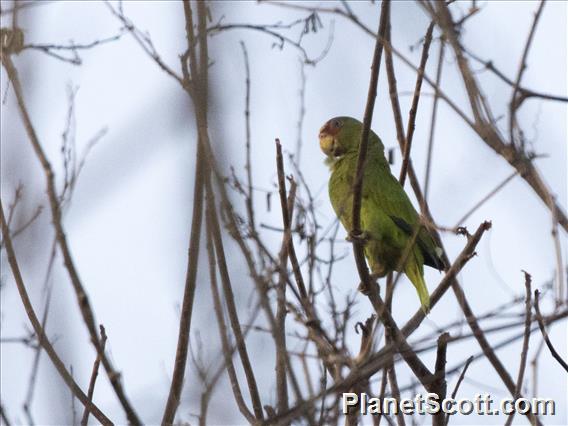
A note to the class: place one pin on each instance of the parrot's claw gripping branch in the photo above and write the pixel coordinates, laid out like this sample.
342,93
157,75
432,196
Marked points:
365,289
362,237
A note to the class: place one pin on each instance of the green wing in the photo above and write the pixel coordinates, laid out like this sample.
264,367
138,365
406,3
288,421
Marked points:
427,245
388,196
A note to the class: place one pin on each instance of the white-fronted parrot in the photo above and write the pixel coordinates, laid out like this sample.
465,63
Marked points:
388,219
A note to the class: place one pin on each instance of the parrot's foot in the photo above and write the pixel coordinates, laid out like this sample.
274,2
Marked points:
364,287
362,237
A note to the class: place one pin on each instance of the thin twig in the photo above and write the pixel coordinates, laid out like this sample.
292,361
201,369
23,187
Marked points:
390,369
302,112
515,103
491,330
525,349
553,352
408,354
281,311
206,397
282,39
393,95
362,154
287,226
433,119
4,416
461,377
323,343
382,391
558,252
35,366
248,165
40,333
85,308
440,373
94,374
497,346
395,392
523,91
230,299
25,225
226,347
262,284
458,383
366,345
50,49
416,97
491,193
487,349
144,42
188,294
534,367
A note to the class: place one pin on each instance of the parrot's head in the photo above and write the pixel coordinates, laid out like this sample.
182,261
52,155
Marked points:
340,136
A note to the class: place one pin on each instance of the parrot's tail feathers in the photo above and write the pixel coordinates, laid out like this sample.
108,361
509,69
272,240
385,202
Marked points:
414,273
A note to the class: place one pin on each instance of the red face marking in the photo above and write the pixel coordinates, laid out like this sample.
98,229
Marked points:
331,128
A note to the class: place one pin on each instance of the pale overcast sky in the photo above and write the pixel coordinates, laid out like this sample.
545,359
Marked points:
128,222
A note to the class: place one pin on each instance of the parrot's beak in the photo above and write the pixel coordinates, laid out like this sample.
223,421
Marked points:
330,145
327,144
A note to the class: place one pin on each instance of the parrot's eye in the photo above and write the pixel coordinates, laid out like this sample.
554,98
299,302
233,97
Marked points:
337,124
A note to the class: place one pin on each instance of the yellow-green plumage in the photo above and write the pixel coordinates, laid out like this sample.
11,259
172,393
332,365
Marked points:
388,218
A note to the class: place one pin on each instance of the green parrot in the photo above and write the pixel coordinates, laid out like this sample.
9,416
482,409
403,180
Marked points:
388,219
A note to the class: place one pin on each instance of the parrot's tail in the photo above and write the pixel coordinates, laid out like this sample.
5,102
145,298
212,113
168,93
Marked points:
414,272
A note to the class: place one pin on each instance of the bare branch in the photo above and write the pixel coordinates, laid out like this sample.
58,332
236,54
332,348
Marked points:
42,338
145,42
227,352
4,416
82,298
433,119
553,351
515,103
248,165
367,118
524,351
94,374
523,91
51,48
302,112
487,349
416,97
271,30
477,205
287,227
393,94
458,383
281,312
35,367
229,298
484,124
440,372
